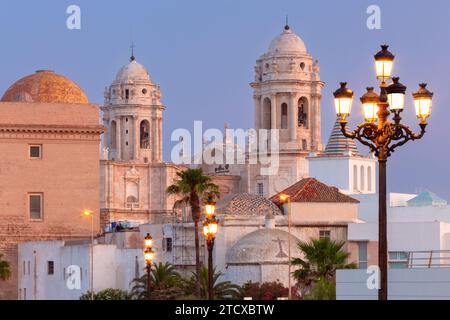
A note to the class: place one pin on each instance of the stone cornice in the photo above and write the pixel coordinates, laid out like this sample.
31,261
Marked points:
287,82
77,129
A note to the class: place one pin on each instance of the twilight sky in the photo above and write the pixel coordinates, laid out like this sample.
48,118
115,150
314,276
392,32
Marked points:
202,53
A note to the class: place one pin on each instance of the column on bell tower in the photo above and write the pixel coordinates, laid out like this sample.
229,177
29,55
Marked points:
136,140
273,111
160,140
315,121
293,116
154,132
257,114
119,138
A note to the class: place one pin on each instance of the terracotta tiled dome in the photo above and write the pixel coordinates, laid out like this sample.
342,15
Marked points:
45,86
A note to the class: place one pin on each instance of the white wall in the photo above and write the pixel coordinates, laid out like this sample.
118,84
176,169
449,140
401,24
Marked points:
339,172
113,268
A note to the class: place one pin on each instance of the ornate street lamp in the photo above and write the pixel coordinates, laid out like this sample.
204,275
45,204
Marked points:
210,229
149,256
382,135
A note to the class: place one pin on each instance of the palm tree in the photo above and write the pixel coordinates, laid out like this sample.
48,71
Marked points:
222,290
5,271
321,259
163,276
192,185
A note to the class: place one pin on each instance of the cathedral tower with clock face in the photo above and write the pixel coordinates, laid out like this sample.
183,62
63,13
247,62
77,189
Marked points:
287,94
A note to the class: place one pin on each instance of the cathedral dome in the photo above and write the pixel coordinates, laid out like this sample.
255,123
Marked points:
45,86
246,204
263,246
133,71
287,42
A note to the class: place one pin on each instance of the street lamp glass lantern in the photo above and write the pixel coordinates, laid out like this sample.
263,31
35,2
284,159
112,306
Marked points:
148,241
210,207
384,62
213,227
205,229
210,228
370,107
396,95
149,256
343,99
423,101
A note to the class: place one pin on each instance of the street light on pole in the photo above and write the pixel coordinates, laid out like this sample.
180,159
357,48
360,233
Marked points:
149,256
283,199
90,214
382,135
210,228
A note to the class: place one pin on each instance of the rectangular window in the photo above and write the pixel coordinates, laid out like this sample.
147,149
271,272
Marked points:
24,269
24,293
50,267
398,260
35,206
169,244
324,234
362,255
260,189
35,152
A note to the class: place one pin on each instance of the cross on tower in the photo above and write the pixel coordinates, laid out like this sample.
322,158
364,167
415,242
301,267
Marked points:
132,51
280,254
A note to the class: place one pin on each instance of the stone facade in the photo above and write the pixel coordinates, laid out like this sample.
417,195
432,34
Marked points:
133,176
64,175
287,93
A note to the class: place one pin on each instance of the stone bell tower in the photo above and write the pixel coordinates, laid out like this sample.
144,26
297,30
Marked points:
287,93
133,176
133,116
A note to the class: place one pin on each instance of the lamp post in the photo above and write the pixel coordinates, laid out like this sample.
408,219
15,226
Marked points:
286,198
210,228
382,135
90,214
149,255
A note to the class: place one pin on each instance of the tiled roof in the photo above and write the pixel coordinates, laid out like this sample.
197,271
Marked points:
426,199
312,190
338,144
246,204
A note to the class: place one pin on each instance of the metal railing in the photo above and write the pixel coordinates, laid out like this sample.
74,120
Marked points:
428,259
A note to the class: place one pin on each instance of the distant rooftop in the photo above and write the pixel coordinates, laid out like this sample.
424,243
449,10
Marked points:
338,145
425,199
312,190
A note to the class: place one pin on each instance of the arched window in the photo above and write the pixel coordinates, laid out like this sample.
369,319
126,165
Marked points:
362,179
267,117
369,178
145,134
284,116
112,135
303,112
355,178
